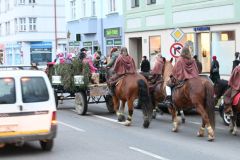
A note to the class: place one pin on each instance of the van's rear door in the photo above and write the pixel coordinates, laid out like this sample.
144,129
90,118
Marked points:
8,106
38,105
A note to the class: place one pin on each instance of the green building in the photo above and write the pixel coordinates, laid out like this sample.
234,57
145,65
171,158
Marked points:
212,25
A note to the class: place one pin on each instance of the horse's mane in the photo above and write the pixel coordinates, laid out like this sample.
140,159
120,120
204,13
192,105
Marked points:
167,70
222,85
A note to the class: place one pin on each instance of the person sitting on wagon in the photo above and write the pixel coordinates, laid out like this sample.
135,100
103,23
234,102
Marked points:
87,60
114,53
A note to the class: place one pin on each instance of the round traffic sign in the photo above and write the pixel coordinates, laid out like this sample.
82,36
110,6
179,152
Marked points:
175,49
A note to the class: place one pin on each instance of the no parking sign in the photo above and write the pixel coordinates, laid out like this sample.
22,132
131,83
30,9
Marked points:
175,49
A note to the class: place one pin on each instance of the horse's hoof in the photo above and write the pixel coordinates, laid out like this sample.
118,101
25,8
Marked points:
210,138
174,130
121,118
127,123
200,134
234,133
146,124
154,115
183,120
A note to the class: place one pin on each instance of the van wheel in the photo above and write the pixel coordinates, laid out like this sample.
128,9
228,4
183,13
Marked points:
81,103
47,145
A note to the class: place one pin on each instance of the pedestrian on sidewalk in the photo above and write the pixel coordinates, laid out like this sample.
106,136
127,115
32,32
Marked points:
214,71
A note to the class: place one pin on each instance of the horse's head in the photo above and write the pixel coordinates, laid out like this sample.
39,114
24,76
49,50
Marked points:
220,87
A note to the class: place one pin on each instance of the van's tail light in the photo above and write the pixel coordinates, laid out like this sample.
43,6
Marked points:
54,117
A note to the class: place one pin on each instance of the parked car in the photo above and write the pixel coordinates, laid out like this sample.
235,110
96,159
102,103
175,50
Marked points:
226,117
27,108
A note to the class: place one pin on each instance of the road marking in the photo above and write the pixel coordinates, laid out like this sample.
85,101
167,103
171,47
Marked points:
221,128
148,153
70,126
115,121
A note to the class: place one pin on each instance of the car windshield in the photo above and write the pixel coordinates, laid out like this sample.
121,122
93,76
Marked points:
8,93
34,89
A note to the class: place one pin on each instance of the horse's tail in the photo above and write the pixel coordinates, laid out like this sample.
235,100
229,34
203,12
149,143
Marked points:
144,100
209,103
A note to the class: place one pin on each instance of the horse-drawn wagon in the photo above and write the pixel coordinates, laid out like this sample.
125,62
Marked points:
74,80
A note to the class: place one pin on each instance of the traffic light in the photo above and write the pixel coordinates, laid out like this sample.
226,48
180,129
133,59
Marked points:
78,37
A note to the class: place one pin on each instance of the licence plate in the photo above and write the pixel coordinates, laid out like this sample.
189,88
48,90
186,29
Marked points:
8,128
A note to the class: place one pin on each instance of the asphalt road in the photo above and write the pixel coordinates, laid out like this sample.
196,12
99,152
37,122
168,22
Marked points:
98,136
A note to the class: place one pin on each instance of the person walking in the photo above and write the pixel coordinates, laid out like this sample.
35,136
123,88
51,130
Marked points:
199,64
145,65
214,71
236,62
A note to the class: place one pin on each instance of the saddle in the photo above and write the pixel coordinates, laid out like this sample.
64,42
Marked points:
174,83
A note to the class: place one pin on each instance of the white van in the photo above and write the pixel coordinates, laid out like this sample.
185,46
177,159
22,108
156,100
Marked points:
27,108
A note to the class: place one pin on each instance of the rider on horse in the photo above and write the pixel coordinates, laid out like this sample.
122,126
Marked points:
185,68
157,71
124,65
234,88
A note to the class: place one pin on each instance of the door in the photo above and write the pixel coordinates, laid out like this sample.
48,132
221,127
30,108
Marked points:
204,50
37,103
135,49
8,106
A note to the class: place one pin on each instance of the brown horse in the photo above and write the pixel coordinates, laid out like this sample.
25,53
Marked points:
129,88
197,92
159,93
220,88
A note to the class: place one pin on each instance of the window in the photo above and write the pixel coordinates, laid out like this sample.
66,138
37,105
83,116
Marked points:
32,1
134,3
0,29
32,24
7,5
7,24
93,8
73,9
228,36
154,44
112,6
8,92
34,89
21,1
84,8
22,22
15,25
151,1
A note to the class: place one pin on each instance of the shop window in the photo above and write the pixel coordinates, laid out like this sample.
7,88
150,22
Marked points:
228,36
154,44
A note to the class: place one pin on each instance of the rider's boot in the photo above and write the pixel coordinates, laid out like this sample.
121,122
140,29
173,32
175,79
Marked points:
168,99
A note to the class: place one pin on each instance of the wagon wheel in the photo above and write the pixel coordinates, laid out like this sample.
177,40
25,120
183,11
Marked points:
109,103
81,103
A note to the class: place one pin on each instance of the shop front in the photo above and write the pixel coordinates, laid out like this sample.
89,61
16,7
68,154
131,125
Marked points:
211,41
41,52
112,38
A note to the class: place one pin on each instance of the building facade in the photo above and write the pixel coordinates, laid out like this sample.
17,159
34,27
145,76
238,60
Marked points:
31,31
94,25
213,26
